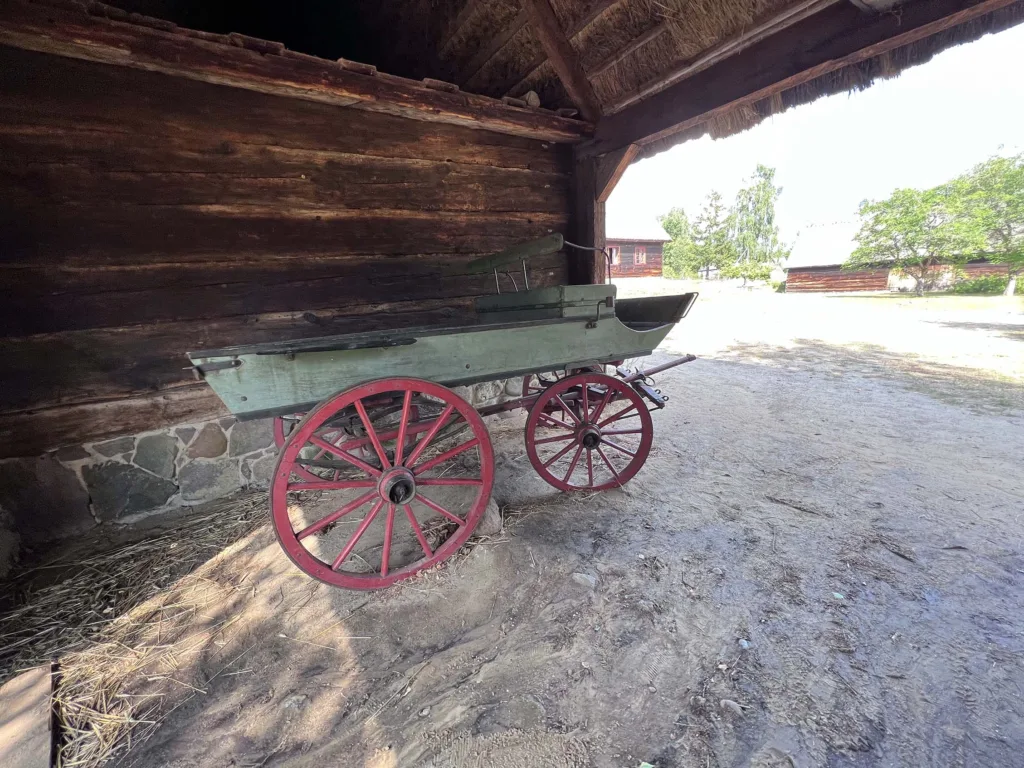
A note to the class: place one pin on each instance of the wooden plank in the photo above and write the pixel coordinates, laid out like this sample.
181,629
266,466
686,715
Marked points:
30,433
610,168
593,12
50,299
489,51
74,104
65,31
563,57
839,36
26,739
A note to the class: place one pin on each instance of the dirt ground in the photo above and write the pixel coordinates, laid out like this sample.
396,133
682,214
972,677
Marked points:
821,564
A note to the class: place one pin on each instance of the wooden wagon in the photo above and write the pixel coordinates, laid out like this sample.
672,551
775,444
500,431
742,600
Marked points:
368,424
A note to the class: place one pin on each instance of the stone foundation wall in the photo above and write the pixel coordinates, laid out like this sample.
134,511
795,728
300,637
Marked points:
70,490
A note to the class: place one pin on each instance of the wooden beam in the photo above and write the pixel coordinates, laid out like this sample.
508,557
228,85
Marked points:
488,52
66,30
610,168
596,9
456,24
837,37
760,29
563,57
628,50
587,267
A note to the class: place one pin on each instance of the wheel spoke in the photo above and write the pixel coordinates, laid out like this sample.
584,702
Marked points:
556,422
622,431
400,445
304,474
450,481
572,466
601,406
439,509
618,447
425,441
357,535
417,530
389,523
559,455
372,434
590,468
586,403
619,415
441,458
566,408
556,438
331,485
319,525
372,471
608,463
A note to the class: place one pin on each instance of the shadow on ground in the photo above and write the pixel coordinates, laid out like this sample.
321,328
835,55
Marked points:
1007,330
976,389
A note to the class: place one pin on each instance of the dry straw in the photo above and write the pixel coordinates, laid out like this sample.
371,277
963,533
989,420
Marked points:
113,618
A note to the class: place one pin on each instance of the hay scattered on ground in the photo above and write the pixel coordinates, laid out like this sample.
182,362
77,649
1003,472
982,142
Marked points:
104,619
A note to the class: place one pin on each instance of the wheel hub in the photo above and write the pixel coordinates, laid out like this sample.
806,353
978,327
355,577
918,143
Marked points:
397,486
589,435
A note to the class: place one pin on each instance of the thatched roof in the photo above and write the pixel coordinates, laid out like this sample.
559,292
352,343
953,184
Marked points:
627,46
627,49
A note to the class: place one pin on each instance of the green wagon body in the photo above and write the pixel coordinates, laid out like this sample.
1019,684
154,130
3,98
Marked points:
517,333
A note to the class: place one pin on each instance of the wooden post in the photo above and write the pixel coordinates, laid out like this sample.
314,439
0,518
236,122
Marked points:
588,226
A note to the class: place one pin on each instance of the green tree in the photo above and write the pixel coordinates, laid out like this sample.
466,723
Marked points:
678,258
755,232
915,232
712,236
996,200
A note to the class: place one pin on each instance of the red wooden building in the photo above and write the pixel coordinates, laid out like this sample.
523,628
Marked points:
832,277
636,251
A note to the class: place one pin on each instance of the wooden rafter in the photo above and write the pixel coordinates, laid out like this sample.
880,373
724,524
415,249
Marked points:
839,36
596,9
485,54
610,168
563,57
629,49
457,23
258,65
730,46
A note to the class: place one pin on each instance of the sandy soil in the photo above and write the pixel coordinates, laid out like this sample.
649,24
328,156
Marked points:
821,564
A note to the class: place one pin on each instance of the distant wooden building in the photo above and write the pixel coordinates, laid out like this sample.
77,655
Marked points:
636,251
832,277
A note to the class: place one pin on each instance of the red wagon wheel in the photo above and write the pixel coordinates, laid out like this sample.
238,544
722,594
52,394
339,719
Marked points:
419,471
588,431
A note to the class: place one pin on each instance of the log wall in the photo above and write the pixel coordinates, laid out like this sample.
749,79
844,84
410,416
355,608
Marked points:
144,215
836,279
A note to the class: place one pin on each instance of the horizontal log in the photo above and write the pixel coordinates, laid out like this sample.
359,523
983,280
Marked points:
69,32
839,36
344,183
105,363
48,299
136,234
42,94
30,433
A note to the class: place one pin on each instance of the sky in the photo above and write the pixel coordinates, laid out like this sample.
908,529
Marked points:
920,129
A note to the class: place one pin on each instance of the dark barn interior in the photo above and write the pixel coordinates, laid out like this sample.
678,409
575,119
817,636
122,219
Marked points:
181,175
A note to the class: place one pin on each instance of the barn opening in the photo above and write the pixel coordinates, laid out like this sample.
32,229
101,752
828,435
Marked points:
183,175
